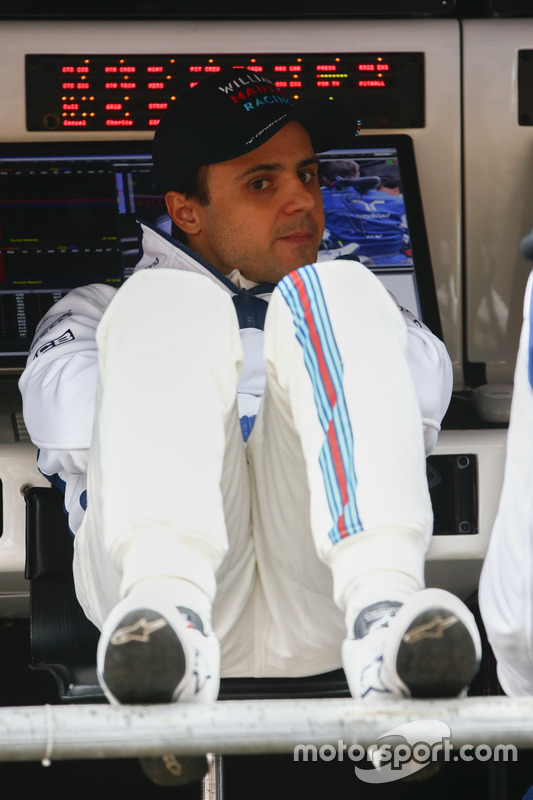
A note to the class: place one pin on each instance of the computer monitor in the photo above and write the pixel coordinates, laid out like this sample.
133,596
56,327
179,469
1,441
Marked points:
68,214
67,218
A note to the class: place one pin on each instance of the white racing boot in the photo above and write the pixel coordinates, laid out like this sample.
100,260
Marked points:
427,647
157,653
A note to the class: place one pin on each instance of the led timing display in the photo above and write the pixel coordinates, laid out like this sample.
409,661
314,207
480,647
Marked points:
103,92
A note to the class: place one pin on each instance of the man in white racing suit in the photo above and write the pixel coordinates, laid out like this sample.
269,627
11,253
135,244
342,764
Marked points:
241,432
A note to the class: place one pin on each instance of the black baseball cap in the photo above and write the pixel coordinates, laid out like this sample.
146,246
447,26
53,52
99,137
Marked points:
232,112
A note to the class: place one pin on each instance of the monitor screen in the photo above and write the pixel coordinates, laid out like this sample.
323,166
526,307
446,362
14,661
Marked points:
374,213
68,214
67,218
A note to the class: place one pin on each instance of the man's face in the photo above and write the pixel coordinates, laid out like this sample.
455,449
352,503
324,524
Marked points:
265,215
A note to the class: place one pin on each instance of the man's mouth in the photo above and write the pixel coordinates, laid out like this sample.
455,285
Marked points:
298,236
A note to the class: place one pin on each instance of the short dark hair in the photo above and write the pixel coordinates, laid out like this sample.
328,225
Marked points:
338,168
390,182
196,188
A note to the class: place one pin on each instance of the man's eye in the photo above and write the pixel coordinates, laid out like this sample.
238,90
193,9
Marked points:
261,183
307,177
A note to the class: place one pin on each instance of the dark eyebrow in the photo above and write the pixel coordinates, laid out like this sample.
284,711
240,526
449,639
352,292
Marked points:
309,162
274,166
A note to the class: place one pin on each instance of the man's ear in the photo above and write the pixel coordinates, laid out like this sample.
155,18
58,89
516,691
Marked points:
182,211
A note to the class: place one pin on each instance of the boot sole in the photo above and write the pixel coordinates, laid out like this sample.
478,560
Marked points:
144,660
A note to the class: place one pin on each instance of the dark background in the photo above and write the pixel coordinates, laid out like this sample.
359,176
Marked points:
245,9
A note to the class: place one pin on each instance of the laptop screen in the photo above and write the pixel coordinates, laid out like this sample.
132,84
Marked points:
68,215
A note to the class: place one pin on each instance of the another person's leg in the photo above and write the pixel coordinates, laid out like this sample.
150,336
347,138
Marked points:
341,432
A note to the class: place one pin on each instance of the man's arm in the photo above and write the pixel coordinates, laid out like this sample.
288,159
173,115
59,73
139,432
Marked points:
58,386
431,368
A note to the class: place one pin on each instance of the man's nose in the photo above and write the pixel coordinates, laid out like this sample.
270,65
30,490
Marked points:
298,197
